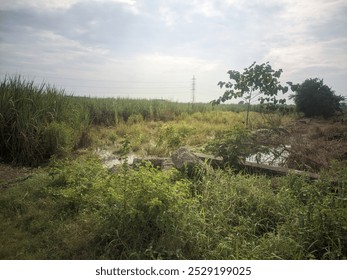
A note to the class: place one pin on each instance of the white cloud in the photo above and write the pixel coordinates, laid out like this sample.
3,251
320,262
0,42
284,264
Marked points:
208,8
300,41
48,50
312,9
159,76
54,4
302,55
175,39
168,15
178,63
50,40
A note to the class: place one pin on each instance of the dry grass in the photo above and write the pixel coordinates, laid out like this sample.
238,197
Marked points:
315,143
158,138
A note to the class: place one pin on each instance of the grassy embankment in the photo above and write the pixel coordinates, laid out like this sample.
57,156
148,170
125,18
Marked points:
73,208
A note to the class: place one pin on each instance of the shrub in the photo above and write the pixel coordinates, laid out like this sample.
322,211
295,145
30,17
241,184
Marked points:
233,146
136,118
58,139
82,211
314,98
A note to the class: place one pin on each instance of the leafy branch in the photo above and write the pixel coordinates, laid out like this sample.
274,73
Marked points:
256,81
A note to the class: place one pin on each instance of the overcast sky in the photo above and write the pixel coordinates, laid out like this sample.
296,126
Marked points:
152,48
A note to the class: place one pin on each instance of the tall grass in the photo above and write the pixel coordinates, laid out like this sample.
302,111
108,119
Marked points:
111,111
36,121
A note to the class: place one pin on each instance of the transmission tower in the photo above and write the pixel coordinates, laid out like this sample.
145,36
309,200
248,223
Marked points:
193,90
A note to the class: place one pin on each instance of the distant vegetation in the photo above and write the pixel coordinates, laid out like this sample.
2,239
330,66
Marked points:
38,121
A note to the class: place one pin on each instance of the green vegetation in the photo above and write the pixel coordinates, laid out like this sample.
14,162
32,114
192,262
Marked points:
38,122
257,81
233,146
314,99
74,208
79,210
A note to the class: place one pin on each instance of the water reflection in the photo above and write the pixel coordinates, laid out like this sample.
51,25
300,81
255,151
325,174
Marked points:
111,159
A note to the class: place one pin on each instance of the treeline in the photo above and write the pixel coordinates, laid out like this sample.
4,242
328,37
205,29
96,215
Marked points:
111,111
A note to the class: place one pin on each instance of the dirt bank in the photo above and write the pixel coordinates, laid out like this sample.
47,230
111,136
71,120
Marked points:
315,143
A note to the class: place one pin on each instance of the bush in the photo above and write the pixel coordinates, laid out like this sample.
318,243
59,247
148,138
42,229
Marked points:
80,210
233,146
83,211
314,98
58,139
135,118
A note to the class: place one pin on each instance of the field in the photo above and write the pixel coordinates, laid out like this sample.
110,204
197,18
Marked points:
58,201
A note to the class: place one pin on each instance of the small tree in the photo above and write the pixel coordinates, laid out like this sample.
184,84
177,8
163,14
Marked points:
314,98
256,81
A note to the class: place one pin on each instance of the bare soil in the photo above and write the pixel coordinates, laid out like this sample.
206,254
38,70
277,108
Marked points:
10,175
314,143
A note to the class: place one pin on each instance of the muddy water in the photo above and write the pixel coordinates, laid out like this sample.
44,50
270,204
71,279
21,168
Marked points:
109,159
275,157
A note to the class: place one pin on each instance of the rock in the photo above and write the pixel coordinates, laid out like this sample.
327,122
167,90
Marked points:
167,164
184,160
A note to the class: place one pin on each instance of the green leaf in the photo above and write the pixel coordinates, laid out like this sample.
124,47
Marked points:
221,84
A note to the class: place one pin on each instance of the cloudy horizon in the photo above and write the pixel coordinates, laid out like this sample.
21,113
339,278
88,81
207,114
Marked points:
152,49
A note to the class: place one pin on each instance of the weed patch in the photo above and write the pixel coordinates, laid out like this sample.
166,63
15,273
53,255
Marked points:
79,210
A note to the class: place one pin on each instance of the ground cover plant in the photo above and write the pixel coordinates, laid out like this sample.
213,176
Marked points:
72,207
80,210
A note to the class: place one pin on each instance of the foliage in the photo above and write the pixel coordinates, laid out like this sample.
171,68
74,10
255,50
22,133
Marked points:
79,210
58,139
37,122
314,98
256,81
234,146
83,211
156,138
112,111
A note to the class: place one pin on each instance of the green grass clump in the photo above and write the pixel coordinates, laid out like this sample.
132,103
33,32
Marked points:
83,211
79,210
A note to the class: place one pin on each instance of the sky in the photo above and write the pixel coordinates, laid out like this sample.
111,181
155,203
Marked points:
152,49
